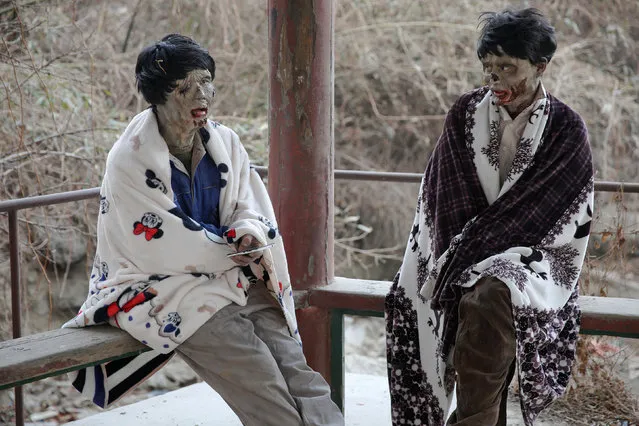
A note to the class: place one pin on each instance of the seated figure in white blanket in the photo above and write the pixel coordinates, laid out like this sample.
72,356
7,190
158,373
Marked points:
178,199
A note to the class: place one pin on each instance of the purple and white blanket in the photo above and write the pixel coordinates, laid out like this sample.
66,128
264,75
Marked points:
531,233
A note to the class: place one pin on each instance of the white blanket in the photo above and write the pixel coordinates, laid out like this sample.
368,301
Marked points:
157,273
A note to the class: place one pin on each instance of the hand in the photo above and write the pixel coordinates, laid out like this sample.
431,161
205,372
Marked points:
245,243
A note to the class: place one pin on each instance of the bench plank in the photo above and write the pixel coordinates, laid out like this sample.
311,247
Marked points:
55,352
351,294
612,316
52,353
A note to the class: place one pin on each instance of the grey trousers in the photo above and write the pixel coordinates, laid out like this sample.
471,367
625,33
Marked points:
247,355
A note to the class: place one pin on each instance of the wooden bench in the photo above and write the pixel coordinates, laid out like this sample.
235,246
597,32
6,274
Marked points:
52,353
610,316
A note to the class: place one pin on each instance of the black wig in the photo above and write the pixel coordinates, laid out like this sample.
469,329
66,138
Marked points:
160,65
523,34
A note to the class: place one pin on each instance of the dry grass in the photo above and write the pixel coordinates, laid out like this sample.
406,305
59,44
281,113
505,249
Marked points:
597,395
67,90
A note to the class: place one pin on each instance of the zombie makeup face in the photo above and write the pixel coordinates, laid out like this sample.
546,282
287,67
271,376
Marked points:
187,106
513,81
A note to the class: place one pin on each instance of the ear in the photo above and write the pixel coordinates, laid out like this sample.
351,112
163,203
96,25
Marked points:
541,67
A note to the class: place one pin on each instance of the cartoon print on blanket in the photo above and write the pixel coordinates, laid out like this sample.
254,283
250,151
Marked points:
132,296
149,225
154,182
143,235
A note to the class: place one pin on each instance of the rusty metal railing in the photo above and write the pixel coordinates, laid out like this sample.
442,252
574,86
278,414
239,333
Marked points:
11,208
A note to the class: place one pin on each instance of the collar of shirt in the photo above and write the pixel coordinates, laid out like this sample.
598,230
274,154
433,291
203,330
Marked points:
197,153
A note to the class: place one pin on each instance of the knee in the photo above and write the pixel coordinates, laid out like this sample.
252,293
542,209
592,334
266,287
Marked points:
489,295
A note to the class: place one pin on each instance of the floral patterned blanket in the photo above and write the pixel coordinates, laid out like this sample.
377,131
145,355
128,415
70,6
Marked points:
531,233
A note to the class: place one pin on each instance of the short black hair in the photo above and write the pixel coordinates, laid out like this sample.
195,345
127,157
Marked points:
160,65
523,34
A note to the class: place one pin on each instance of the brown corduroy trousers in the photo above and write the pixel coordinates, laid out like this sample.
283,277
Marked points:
484,355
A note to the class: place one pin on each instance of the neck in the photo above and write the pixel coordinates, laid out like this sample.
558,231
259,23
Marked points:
178,138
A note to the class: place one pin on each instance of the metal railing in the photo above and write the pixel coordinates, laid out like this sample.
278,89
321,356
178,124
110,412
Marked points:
12,207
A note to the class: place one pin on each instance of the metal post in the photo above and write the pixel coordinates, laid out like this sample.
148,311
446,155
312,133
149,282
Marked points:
337,357
14,259
300,177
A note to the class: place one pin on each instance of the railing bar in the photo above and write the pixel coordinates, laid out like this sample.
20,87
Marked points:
14,259
337,357
84,194
608,186
45,200
600,186
379,176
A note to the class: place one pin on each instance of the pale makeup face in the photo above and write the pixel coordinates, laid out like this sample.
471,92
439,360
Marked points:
187,106
513,81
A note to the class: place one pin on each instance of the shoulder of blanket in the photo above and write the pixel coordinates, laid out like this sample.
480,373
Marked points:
462,103
226,133
140,138
472,95
568,135
562,114
566,125
228,136
139,146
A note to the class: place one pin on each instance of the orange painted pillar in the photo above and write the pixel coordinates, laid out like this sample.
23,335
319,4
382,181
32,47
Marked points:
300,177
